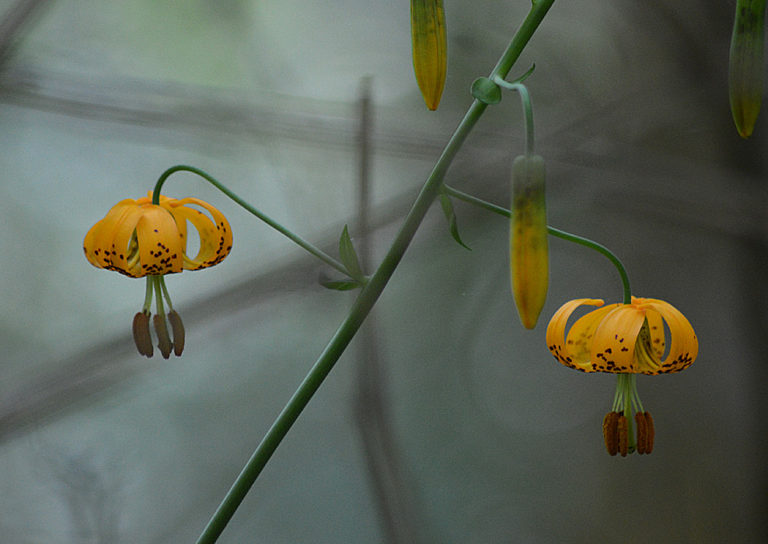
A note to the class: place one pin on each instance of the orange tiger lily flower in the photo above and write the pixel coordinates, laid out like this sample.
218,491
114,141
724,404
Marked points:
624,339
138,238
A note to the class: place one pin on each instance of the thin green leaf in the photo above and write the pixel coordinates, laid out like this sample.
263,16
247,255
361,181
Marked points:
348,256
450,215
341,285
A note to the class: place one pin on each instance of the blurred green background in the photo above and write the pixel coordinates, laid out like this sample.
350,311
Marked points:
445,421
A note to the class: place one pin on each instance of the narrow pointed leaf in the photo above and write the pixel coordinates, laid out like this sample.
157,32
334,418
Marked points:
348,256
450,215
341,285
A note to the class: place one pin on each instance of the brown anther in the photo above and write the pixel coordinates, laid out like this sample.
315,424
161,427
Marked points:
163,339
177,327
642,433
623,434
610,432
651,432
141,336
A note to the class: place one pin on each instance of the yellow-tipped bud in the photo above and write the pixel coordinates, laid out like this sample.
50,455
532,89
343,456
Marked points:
528,244
745,77
429,48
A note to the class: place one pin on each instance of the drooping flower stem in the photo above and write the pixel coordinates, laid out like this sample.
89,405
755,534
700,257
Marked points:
525,98
553,232
369,293
317,252
603,251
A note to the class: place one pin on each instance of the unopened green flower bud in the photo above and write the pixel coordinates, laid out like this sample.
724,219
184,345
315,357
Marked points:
745,77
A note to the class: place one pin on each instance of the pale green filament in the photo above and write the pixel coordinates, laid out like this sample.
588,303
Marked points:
161,281
148,296
627,400
158,296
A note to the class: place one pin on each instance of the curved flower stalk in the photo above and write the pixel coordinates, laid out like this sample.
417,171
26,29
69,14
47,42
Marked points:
138,238
528,245
429,48
746,66
624,339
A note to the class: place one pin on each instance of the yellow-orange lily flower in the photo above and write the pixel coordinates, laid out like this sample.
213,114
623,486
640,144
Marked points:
138,238
624,339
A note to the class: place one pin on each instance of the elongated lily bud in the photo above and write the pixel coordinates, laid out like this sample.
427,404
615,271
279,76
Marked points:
529,248
429,48
745,78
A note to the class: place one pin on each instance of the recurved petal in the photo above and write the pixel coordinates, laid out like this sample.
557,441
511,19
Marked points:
579,339
160,250
556,330
656,328
125,257
684,346
215,235
98,240
613,345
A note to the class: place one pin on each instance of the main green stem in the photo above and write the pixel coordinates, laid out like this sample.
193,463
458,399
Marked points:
370,292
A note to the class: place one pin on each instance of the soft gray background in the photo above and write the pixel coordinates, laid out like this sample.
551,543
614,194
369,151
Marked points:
447,422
